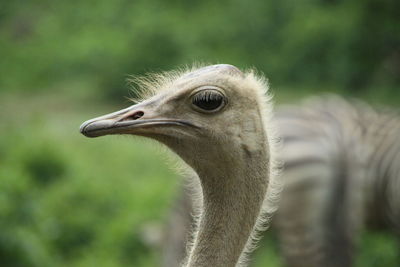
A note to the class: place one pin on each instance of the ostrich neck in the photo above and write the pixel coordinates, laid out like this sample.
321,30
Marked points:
232,200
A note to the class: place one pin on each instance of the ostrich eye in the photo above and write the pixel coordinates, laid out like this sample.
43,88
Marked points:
208,100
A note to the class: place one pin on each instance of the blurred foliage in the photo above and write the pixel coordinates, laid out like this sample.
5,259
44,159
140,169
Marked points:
351,45
70,201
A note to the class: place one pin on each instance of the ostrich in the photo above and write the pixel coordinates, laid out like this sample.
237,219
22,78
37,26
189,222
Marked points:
217,119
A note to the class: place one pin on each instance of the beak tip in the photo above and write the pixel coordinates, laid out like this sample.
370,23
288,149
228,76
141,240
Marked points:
82,128
95,127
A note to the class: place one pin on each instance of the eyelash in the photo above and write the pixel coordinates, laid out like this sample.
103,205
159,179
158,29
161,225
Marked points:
206,95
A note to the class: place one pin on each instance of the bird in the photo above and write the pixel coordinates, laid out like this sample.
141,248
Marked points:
342,166
217,119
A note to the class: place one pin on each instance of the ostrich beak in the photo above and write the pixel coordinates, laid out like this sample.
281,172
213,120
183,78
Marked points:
137,119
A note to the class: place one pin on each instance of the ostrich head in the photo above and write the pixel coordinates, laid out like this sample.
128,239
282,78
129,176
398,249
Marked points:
201,115
215,118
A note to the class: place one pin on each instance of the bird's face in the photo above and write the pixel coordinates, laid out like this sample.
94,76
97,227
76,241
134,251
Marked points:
202,112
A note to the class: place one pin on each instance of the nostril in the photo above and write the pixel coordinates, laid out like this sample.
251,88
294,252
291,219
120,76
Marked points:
137,115
134,116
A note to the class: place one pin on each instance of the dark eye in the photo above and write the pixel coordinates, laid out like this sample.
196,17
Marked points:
208,100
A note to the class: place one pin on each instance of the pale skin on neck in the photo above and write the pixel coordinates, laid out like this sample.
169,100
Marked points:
232,202
228,148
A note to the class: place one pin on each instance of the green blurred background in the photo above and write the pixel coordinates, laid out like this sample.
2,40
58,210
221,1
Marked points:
66,200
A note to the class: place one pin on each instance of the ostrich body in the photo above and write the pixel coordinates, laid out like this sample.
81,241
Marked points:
215,118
